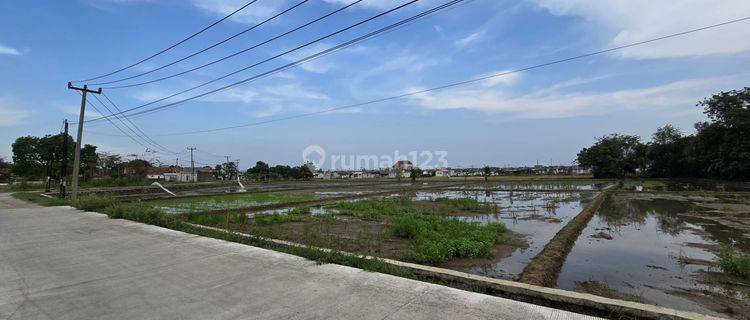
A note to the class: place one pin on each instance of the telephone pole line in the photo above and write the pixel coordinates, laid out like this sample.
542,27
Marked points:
77,156
192,164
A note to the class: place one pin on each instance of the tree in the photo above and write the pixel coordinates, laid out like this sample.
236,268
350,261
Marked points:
486,171
137,168
414,173
614,156
110,164
5,168
723,143
89,161
31,155
666,152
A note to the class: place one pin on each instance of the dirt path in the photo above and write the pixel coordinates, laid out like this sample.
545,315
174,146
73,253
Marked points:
544,268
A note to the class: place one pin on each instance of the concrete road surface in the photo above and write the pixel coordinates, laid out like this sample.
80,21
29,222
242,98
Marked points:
61,263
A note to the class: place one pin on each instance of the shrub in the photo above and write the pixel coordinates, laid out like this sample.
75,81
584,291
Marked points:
137,212
734,262
94,203
267,219
438,239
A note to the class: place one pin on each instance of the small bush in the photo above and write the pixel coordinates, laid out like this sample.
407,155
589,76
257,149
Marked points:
268,219
94,203
437,239
734,262
136,212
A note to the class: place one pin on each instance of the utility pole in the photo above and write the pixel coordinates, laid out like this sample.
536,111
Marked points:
64,166
77,156
176,164
192,163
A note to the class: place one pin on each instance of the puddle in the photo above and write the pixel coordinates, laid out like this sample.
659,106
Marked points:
658,252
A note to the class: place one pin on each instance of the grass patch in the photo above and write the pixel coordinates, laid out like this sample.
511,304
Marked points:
35,197
269,219
228,201
375,209
94,203
467,204
438,239
734,262
114,182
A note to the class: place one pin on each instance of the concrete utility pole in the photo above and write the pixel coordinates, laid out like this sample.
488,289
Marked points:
192,163
77,156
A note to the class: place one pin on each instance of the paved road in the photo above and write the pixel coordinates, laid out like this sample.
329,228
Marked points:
61,263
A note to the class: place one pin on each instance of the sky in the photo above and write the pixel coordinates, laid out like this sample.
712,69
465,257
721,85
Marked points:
545,115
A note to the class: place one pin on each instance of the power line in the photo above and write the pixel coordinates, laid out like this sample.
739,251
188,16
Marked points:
459,83
205,49
265,60
311,57
171,46
142,134
115,125
146,136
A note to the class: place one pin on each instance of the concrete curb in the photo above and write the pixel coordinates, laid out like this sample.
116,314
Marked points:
556,298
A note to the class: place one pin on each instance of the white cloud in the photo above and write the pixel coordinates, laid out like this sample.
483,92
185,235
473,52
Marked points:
629,21
319,65
10,51
379,4
270,100
469,39
552,102
10,115
254,13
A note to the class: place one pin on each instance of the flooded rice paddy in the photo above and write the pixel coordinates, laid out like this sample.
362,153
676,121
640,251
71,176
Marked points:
662,249
656,247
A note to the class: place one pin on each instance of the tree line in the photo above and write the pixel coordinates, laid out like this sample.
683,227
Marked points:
720,147
262,171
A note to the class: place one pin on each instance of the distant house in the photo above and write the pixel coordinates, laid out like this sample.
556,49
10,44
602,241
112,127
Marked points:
180,174
404,165
442,172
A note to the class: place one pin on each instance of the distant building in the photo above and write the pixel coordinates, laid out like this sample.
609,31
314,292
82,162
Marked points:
180,174
403,165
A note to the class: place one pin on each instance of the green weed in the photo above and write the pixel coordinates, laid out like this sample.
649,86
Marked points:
437,239
734,262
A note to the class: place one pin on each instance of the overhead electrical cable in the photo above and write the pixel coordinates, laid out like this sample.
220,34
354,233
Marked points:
348,43
263,61
146,136
211,47
171,46
459,83
115,125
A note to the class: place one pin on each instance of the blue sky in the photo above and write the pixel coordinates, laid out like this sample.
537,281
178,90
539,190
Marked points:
544,115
